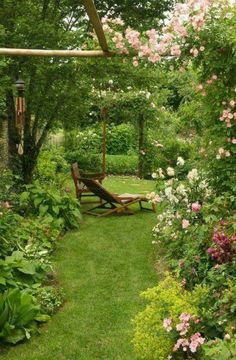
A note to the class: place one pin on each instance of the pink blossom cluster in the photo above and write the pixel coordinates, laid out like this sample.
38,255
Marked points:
185,223
196,207
167,324
224,248
153,46
229,114
202,88
192,342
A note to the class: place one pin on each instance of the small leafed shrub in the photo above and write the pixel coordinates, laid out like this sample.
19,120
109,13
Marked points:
168,300
50,299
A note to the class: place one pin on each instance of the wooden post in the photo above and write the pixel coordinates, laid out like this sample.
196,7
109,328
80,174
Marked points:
141,145
95,20
104,147
104,117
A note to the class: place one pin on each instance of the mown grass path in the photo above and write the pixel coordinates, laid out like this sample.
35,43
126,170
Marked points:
102,267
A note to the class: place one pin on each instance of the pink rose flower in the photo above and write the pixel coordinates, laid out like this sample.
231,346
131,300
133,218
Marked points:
196,207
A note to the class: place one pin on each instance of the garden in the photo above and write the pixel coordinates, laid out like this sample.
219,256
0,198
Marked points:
151,116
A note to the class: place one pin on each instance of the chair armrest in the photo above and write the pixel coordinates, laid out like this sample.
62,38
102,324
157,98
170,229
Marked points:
95,176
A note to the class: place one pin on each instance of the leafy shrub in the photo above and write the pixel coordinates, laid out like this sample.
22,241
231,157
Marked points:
8,186
167,300
64,209
18,316
220,349
17,271
51,165
121,139
121,164
36,237
9,222
164,153
88,162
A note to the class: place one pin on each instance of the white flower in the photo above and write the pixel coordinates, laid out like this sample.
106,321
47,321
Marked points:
110,82
161,174
151,195
181,190
154,175
180,161
168,191
170,171
157,199
193,175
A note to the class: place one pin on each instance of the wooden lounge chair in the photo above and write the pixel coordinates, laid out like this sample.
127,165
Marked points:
80,188
112,203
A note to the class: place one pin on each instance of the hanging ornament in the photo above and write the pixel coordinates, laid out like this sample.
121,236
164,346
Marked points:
20,113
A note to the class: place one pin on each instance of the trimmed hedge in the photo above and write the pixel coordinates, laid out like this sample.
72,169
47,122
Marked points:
115,164
122,164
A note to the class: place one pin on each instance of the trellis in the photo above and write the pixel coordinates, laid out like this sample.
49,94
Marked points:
96,22
104,52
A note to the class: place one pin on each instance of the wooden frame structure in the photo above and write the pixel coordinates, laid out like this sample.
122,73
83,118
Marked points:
104,52
96,22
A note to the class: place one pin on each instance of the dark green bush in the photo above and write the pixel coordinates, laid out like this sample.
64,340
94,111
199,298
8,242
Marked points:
121,139
87,162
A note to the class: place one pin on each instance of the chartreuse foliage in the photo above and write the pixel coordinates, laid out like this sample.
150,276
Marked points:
167,300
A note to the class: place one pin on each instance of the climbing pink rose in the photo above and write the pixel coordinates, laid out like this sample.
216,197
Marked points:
185,224
196,207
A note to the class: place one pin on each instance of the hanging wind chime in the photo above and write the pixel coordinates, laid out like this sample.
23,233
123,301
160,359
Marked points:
20,113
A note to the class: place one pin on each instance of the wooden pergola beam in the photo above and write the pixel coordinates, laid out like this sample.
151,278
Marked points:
96,22
55,53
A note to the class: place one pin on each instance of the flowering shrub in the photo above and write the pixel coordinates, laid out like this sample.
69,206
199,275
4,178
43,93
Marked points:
224,249
184,43
170,317
182,203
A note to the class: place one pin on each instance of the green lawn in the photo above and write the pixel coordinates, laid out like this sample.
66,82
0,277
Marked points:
102,267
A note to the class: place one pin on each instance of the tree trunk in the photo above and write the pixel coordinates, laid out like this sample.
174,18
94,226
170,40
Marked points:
141,146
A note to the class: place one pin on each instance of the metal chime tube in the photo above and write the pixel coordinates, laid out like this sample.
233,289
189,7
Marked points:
20,122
